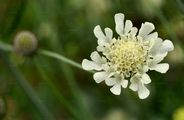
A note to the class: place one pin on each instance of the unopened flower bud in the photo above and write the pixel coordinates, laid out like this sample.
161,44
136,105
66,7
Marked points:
25,43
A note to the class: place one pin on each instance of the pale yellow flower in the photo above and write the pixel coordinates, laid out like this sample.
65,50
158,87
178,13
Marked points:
128,57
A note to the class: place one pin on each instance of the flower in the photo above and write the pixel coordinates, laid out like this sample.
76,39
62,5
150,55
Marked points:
129,57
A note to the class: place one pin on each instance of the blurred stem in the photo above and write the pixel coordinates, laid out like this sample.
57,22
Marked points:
181,5
46,114
17,17
167,26
54,89
76,93
71,80
7,47
67,71
60,57
165,23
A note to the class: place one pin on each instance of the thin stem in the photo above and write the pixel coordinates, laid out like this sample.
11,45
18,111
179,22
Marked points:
19,12
5,47
54,89
181,5
60,57
167,26
46,114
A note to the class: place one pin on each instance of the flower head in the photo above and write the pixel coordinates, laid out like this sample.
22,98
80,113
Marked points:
127,58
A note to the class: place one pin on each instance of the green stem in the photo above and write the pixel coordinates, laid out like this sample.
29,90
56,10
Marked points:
19,12
7,47
181,5
46,114
60,57
55,91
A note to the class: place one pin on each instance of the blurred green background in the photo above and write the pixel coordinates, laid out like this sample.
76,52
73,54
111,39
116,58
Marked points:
69,93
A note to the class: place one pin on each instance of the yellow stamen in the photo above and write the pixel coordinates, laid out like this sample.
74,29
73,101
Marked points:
128,55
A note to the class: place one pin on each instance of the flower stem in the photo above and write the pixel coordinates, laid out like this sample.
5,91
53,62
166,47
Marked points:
60,57
5,47
181,5
46,114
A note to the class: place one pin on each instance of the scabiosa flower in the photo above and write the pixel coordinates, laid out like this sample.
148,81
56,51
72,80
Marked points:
129,57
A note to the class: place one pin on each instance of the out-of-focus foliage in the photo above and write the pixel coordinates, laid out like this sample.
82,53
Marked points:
66,27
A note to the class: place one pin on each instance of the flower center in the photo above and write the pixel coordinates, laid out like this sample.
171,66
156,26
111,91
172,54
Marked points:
128,55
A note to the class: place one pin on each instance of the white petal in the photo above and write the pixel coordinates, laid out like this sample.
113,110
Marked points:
143,92
116,89
119,21
100,48
145,29
145,79
101,42
134,85
156,59
133,31
100,76
100,35
98,32
108,33
162,68
128,26
90,65
110,81
124,83
166,46
156,45
152,36
145,68
96,57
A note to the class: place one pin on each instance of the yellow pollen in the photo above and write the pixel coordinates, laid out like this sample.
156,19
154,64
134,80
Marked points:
127,55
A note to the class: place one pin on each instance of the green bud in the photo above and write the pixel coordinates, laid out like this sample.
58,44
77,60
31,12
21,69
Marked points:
25,43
